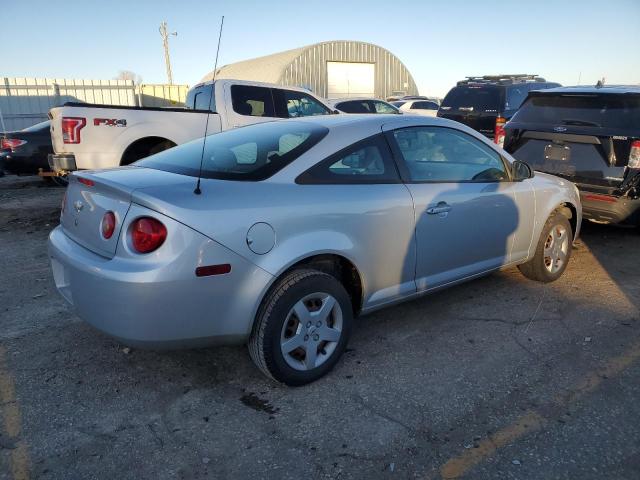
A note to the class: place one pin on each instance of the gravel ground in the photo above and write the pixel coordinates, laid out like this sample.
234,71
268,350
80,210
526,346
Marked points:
497,378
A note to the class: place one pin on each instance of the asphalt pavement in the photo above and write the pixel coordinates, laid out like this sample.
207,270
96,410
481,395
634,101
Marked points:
500,377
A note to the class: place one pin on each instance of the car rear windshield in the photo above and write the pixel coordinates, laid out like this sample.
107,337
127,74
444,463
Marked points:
251,153
480,98
585,110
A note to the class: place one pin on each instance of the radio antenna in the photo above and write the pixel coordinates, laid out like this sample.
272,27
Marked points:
197,190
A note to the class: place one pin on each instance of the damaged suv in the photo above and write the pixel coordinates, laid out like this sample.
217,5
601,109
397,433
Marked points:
589,135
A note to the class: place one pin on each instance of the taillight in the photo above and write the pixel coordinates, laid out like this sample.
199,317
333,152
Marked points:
108,225
634,154
498,137
147,234
11,143
86,181
71,127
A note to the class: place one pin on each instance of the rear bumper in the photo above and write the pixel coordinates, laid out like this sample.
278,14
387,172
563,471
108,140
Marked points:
163,304
22,164
64,162
609,208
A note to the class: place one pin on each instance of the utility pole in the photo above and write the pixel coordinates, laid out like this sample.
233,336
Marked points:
165,43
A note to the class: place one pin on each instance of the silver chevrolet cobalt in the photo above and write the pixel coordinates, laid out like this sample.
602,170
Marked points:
279,234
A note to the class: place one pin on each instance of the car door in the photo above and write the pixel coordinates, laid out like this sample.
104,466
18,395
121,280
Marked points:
361,197
294,104
467,209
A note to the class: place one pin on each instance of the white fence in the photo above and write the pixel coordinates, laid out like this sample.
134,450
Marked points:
26,101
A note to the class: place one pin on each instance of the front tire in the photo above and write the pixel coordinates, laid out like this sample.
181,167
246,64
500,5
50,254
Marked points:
552,252
302,327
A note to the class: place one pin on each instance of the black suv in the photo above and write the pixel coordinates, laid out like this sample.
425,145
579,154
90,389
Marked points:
487,103
589,135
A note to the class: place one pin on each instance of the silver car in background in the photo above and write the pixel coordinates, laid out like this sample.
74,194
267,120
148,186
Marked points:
298,226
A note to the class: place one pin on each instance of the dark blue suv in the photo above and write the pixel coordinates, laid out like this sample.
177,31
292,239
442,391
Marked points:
487,103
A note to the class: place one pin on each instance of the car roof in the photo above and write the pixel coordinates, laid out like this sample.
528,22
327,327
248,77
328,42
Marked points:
584,89
343,119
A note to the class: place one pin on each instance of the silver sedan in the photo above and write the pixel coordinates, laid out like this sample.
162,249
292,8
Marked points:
279,234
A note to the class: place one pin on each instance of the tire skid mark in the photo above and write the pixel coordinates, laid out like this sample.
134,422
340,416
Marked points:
19,456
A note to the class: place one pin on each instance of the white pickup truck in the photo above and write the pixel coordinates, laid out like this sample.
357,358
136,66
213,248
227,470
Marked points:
90,136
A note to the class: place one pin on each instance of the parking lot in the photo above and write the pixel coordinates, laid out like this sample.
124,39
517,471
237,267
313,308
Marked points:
497,378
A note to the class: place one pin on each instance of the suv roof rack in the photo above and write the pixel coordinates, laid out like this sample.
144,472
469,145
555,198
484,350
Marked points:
504,79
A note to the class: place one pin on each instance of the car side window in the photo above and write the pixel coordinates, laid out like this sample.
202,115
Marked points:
440,154
354,106
293,104
382,107
424,106
200,99
252,101
368,161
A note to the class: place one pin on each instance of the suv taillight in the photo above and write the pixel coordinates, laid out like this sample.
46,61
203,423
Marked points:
11,143
147,234
634,154
498,136
71,127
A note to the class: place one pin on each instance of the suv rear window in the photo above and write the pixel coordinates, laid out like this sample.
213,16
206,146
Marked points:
584,110
480,98
254,152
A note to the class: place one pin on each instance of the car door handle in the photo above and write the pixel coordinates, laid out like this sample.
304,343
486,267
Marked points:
441,207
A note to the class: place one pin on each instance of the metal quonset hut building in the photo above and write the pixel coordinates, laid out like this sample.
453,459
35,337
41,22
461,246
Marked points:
329,69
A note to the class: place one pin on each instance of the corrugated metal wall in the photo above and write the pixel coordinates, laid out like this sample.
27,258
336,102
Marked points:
26,101
309,69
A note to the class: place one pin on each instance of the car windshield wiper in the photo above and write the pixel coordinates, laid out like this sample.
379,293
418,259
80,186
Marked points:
582,123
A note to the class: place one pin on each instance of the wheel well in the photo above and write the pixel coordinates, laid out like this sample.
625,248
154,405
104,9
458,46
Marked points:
569,211
143,147
342,269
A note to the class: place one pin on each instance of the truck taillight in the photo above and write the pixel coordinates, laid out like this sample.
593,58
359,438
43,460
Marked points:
498,137
11,143
147,234
71,127
634,154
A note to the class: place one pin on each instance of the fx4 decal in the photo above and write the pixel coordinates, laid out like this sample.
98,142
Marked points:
110,122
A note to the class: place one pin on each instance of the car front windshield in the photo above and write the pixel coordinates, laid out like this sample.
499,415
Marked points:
251,153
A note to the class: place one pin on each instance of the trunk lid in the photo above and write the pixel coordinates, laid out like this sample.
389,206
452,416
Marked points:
585,138
585,158
90,195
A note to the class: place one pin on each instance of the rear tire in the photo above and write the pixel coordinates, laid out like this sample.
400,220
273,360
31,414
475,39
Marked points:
553,251
302,327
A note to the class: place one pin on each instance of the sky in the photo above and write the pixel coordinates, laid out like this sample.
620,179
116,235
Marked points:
439,41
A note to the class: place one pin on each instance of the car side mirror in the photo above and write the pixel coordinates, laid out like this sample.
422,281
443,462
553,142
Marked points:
521,171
